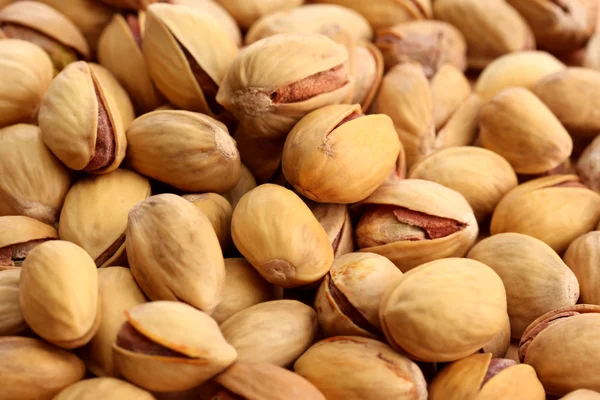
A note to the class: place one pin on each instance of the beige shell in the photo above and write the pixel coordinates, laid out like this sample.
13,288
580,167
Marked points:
462,127
118,293
481,176
376,371
219,13
582,394
218,210
262,156
276,332
591,58
32,181
244,185
110,82
519,127
459,291
278,234
582,257
159,146
588,165
101,389
174,253
59,294
535,278
130,4
499,346
331,158
335,219
33,369
11,317
368,74
449,89
246,13
85,222
531,209
19,235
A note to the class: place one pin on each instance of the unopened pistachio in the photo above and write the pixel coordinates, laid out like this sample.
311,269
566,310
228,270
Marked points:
582,257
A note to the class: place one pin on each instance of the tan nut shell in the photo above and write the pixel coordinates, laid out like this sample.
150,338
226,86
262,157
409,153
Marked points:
276,332
519,127
181,328
531,208
262,156
588,165
582,256
481,176
450,89
344,164
218,210
26,75
433,199
33,369
368,74
244,185
32,181
459,291
246,13
463,380
15,229
170,27
377,371
118,293
219,13
159,146
84,219
278,234
463,126
535,278
582,394
11,317
335,219
111,84
174,253
101,389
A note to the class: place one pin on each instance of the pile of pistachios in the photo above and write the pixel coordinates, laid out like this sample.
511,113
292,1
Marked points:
299,199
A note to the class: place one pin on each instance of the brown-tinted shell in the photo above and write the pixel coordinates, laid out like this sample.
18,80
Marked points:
582,256
244,185
218,210
11,316
262,156
19,235
588,165
103,388
335,219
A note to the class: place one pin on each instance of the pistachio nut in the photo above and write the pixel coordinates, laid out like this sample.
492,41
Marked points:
582,257
582,394
449,89
588,165
311,18
103,388
159,146
462,127
187,52
339,155
109,81
11,317
406,97
519,127
276,332
445,332
130,4
534,276
481,176
58,293
19,235
431,43
368,73
168,346
491,28
44,26
218,12
264,381
218,210
83,219
118,293
32,181
335,219
352,367
278,234
261,155
33,369
276,81
566,336
349,297
174,252
244,287
414,221
530,208
246,13
244,185
81,122
591,58
481,377
499,346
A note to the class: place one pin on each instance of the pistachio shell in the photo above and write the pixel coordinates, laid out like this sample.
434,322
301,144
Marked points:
109,81
450,89
588,165
368,73
19,235
591,58
130,4
262,156
174,252
103,388
500,344
244,185
11,316
246,13
335,219
218,210
463,126
582,257
582,394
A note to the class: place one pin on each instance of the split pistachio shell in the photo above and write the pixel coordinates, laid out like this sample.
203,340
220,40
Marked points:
32,181
81,122
582,394
246,13
278,234
531,209
276,81
588,165
459,291
33,369
376,371
463,126
109,81
168,346
481,377
338,155
519,127
244,185
83,219
26,73
218,12
174,253
481,176
535,278
523,69
218,210
101,389
335,219
159,146
19,235
449,89
414,221
118,293
582,256
11,316
368,73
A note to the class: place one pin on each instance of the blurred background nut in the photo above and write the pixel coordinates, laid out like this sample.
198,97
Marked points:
32,181
218,12
376,371
129,4
246,183
588,165
33,369
246,13
450,89
368,74
168,346
18,236
159,146
108,81
582,256
335,219
338,155
218,211
11,317
261,156
103,388
462,127
276,332
582,394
